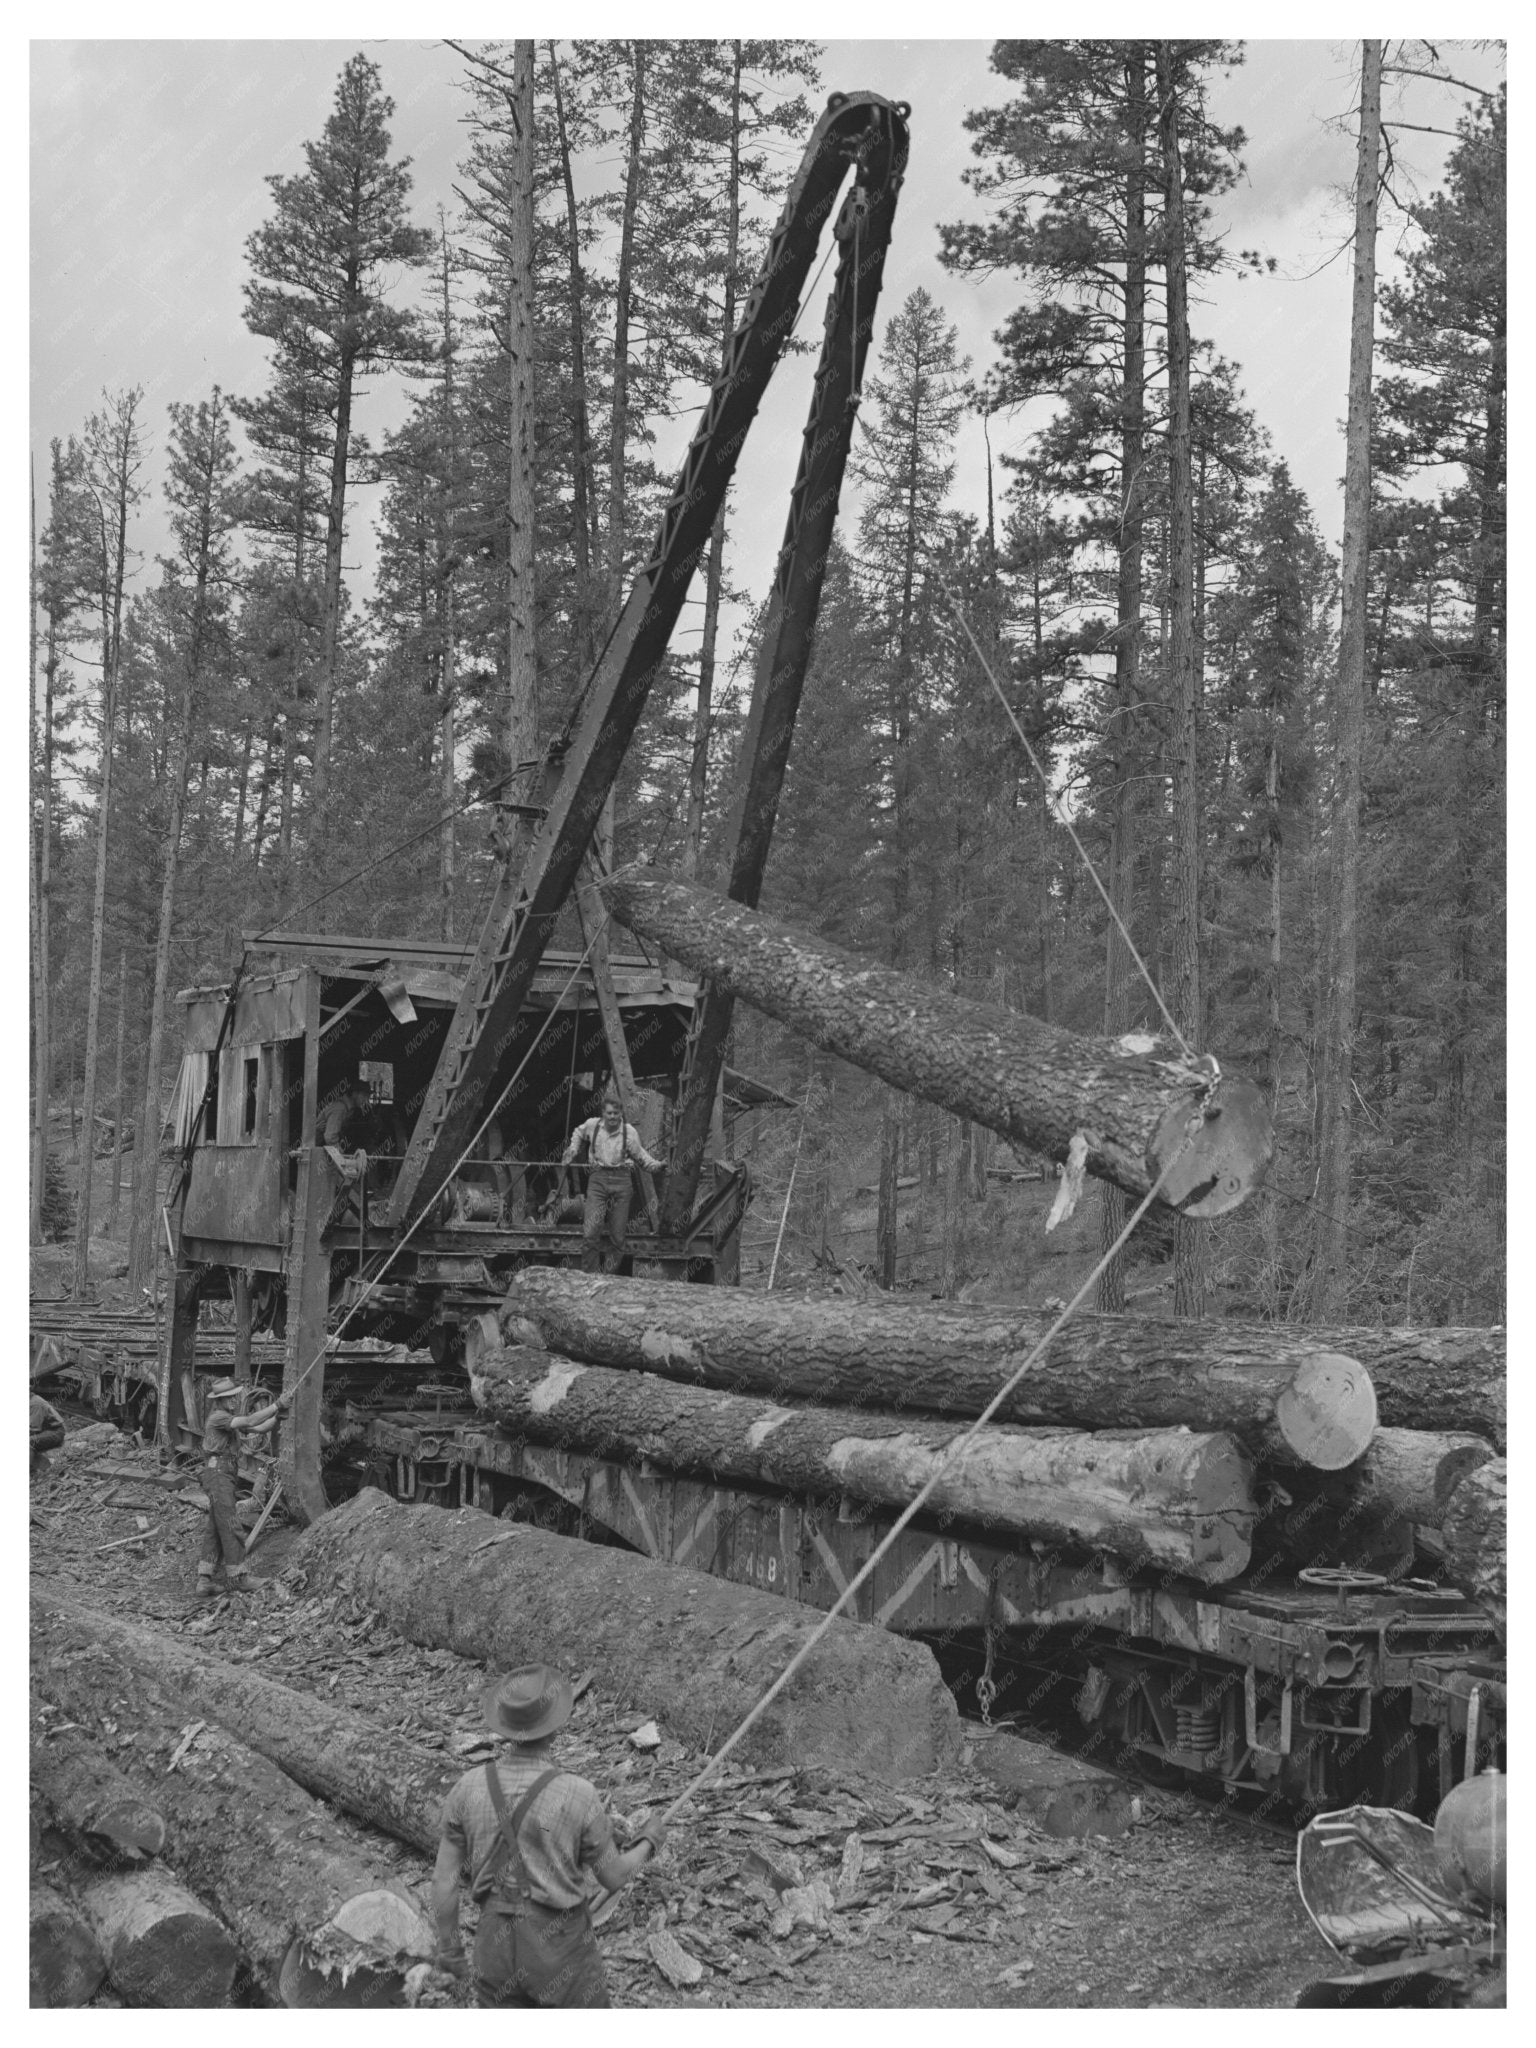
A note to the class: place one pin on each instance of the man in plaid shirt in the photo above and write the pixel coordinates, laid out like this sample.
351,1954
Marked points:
529,1833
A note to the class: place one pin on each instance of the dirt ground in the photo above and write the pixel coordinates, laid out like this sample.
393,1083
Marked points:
940,1896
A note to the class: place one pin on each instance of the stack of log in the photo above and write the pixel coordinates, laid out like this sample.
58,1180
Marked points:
1190,1446
180,1849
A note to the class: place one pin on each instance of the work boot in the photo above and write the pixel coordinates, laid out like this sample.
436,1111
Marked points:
237,1579
206,1589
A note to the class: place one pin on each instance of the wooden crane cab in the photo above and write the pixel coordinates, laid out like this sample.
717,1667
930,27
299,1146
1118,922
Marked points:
297,1233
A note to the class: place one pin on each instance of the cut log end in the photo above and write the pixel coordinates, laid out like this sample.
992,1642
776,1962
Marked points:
163,1946
1225,1160
66,1965
1327,1415
359,1960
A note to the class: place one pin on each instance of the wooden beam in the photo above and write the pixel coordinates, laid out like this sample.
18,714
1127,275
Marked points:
309,1287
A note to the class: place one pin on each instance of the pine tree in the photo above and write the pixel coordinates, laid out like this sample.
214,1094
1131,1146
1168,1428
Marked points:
320,270
905,464
1335,1111
199,489
114,458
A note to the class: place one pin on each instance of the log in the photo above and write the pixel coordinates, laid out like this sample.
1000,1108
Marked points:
1367,1516
1476,1538
1065,1797
91,1803
692,1650
1412,1473
1286,1399
65,1965
341,1756
1450,1379
275,1865
1165,1499
1035,1084
162,1946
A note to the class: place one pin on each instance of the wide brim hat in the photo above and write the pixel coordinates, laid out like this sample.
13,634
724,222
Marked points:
225,1390
529,1703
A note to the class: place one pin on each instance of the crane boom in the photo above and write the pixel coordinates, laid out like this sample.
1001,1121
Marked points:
859,130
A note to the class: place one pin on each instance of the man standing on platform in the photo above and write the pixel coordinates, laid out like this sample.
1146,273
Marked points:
612,1144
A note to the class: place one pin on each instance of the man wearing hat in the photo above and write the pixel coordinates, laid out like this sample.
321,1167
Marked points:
223,1426
529,1833
612,1144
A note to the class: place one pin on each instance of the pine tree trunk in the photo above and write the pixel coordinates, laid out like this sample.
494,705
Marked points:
522,665
1163,1499
330,605
1287,1397
888,1200
40,815
618,427
117,1092
698,769
81,1271
1035,1085
1128,591
1189,1279
581,439
1330,1266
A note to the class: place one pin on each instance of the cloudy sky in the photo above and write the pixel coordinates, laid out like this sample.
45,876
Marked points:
147,167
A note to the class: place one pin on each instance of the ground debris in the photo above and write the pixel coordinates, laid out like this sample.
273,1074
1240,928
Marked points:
926,1896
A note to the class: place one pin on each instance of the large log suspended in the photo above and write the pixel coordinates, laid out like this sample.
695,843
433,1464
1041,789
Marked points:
352,1761
692,1650
1165,1499
1293,1403
272,1861
163,1946
1130,1104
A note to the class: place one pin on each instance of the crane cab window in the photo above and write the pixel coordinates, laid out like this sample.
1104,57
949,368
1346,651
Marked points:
243,1092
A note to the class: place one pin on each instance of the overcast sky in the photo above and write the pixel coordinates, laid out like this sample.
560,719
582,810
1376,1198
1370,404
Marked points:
148,161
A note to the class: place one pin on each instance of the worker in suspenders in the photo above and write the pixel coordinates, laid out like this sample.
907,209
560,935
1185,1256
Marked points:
529,1832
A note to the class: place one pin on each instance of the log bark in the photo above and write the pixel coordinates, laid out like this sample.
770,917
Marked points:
1037,1085
1166,1499
1450,1379
1476,1538
1413,1472
344,1757
692,1650
1286,1399
275,1865
90,1801
162,1946
1366,1516
65,1965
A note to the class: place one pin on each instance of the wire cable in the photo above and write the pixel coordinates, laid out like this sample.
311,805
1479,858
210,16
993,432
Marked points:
948,1458
1033,758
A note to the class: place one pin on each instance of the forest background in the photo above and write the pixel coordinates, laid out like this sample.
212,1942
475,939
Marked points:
278,630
